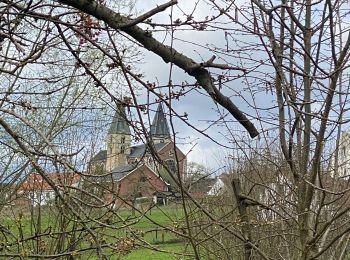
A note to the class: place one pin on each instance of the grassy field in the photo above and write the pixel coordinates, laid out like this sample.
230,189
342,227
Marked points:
151,233
175,246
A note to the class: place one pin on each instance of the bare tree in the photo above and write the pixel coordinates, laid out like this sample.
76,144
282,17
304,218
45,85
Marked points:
286,61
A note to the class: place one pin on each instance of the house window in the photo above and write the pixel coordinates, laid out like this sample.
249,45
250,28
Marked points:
123,139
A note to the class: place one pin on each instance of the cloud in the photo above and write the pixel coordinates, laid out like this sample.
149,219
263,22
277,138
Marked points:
201,109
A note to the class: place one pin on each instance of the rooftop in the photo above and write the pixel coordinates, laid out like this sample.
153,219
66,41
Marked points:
137,151
159,127
119,123
121,171
36,182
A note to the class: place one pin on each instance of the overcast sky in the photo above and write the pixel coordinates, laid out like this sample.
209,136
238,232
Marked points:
199,107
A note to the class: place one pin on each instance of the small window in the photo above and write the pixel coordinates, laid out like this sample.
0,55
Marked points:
171,153
122,149
143,179
344,151
123,139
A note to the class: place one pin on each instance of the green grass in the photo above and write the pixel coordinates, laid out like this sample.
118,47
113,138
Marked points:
145,253
160,244
161,240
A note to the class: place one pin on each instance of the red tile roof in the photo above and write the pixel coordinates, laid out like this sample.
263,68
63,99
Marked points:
36,182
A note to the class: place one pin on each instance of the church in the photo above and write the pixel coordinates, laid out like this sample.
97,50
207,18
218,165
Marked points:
138,171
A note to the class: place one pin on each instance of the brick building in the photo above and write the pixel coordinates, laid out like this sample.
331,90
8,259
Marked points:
138,170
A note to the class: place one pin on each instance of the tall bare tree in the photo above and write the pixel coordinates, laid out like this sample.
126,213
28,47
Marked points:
286,61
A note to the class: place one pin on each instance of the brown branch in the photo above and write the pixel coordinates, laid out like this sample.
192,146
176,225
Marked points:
168,54
211,64
150,13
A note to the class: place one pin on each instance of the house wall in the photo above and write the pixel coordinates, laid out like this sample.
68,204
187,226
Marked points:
217,188
37,197
140,183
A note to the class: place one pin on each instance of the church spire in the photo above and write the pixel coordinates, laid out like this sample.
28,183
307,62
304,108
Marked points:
119,124
118,139
159,128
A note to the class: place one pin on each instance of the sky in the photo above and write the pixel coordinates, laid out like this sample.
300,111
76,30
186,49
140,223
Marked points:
199,107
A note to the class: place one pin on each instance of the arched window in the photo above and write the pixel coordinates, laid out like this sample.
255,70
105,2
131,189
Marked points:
171,165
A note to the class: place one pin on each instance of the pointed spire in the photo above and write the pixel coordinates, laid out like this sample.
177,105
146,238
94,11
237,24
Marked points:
119,124
159,127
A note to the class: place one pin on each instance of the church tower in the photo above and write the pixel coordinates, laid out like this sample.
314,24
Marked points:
159,131
118,140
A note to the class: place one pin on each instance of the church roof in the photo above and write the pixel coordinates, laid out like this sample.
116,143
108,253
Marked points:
140,150
159,127
119,124
101,155
121,171
136,151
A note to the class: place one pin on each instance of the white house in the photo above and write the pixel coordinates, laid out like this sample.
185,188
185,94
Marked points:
35,189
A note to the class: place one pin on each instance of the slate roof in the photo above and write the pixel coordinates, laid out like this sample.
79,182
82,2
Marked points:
119,124
120,172
159,127
139,150
101,155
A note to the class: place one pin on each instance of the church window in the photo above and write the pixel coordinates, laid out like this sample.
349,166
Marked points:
171,165
123,139
143,179
122,149
344,151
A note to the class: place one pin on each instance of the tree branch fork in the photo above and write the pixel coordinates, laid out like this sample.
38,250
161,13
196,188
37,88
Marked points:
167,53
